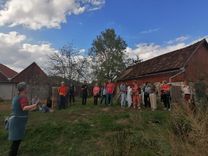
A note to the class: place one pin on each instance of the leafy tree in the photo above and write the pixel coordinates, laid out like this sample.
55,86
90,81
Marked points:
108,53
69,63
132,61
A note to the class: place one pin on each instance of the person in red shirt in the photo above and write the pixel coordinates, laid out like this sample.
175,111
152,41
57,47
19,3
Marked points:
62,91
110,90
135,95
165,89
96,91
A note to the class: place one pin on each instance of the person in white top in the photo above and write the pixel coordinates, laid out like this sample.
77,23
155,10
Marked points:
129,96
187,94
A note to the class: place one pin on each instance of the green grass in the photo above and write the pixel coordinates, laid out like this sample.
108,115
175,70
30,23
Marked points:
93,131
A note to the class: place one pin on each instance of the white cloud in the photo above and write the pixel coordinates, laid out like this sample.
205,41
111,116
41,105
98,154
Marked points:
178,39
147,51
37,14
11,38
18,54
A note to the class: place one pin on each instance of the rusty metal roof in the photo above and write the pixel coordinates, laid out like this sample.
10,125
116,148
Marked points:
6,71
168,62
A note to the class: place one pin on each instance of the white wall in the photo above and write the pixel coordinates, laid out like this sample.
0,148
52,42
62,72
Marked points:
7,91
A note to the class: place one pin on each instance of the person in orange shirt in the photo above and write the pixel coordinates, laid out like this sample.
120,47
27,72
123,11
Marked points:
96,91
135,95
166,94
62,91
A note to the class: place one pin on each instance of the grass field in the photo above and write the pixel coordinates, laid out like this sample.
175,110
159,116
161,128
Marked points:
92,131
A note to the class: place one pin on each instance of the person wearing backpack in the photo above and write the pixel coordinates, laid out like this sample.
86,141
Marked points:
18,120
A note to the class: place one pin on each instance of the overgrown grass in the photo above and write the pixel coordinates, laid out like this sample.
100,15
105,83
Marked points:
94,131
189,132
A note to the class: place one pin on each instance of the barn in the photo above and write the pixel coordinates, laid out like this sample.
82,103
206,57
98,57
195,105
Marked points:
36,79
33,75
7,88
189,63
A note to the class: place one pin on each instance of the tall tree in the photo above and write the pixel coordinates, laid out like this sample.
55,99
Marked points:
69,63
108,53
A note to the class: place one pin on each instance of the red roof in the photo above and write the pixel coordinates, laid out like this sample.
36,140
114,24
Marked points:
3,78
168,62
6,71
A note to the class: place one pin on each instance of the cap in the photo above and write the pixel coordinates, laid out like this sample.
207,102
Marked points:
21,86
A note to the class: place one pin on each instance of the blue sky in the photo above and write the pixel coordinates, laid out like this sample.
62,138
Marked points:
135,20
159,23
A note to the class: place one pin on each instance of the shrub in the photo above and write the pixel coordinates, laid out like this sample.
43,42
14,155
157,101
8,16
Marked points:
201,93
189,132
180,126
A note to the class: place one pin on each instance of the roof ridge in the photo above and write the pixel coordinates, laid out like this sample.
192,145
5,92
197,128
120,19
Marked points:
188,46
7,71
8,68
3,74
168,61
34,63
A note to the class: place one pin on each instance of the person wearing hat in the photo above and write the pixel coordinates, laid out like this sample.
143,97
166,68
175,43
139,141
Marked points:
84,89
62,91
18,120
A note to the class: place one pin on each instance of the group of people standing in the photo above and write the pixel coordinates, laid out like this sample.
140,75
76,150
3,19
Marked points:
149,94
133,95
130,94
105,92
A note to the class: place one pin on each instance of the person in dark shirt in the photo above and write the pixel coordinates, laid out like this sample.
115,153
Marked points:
84,93
71,94
49,102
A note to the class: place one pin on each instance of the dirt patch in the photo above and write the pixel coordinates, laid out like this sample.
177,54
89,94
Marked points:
106,109
123,122
5,107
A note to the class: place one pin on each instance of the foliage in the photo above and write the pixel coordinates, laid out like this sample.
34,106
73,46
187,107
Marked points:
69,63
132,61
189,132
108,53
